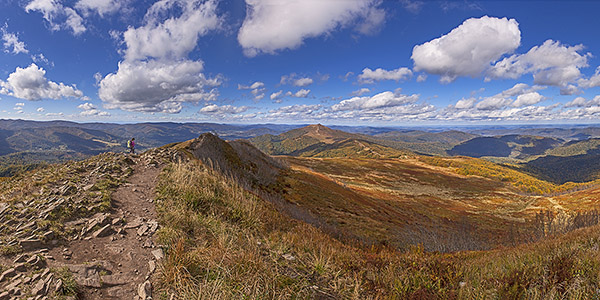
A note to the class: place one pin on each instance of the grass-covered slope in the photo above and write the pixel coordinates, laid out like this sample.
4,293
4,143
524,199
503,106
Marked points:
223,242
303,141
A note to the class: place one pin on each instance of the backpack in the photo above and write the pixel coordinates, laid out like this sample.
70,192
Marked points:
129,144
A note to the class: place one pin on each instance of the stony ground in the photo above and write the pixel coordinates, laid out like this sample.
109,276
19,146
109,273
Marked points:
81,230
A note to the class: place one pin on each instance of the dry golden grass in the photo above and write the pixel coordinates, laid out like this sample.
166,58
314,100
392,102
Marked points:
225,243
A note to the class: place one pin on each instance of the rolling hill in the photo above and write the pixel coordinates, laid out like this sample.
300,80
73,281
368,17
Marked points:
296,142
364,191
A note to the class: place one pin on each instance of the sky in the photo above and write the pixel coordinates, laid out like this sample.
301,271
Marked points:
342,62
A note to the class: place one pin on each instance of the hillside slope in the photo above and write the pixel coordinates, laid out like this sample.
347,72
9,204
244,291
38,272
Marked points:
514,146
222,232
302,141
226,243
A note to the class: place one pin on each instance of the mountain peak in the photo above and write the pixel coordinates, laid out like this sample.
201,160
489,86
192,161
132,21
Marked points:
324,133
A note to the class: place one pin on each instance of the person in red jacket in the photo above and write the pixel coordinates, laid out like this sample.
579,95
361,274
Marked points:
131,145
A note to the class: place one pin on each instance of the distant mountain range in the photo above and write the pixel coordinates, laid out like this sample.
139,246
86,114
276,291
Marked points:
556,154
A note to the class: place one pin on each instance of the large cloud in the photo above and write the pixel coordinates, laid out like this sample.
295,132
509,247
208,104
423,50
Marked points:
156,75
469,49
155,86
271,26
174,37
379,74
31,84
57,15
550,63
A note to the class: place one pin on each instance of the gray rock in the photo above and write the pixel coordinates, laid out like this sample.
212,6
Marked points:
20,267
15,292
113,280
8,274
36,262
153,227
104,231
59,286
158,254
20,258
151,266
135,223
39,288
13,284
145,290
117,222
142,230
67,189
48,235
31,244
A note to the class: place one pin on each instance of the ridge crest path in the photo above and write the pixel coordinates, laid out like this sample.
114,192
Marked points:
115,261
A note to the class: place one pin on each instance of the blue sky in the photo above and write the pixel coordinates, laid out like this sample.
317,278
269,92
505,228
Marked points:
368,62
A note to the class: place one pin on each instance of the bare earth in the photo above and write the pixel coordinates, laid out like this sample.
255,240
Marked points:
123,258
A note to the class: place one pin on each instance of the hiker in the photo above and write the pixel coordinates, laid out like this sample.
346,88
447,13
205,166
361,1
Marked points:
131,145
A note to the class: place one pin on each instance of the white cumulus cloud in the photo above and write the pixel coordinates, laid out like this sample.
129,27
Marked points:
582,102
303,81
174,37
550,63
465,103
302,93
155,86
156,75
469,49
273,25
379,74
299,81
493,103
31,84
381,100
88,109
527,99
257,89
277,96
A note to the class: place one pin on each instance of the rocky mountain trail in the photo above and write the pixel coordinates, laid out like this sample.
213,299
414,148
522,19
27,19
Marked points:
82,230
